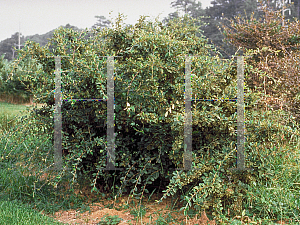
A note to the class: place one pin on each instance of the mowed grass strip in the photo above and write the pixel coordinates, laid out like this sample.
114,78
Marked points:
14,212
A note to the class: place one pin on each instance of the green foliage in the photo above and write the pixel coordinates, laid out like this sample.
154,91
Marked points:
110,220
9,115
149,109
15,212
11,88
2,68
8,46
212,187
149,120
275,191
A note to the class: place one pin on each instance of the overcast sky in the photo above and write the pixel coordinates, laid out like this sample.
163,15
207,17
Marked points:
41,16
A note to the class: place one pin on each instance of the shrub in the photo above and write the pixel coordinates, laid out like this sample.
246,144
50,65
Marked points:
149,107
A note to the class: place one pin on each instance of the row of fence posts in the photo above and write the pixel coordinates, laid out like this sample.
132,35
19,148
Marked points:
187,160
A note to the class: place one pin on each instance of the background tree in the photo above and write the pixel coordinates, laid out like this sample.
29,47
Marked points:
190,7
102,22
8,46
296,9
187,7
3,63
42,39
213,16
218,13
276,56
290,7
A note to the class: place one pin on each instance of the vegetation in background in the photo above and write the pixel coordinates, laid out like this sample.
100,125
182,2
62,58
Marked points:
8,46
11,88
214,15
275,62
10,114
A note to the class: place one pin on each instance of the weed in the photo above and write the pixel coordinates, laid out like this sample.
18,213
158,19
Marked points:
110,220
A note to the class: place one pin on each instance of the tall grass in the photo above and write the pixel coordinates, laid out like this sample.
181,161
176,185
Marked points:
20,187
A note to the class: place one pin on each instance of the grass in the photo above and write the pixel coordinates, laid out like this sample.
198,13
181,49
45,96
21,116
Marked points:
24,197
15,212
14,187
10,113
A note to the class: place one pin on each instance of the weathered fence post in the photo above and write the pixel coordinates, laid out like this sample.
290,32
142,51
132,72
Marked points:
187,160
240,114
57,116
110,114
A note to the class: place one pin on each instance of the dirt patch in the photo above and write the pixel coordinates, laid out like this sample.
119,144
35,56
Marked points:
154,214
124,207
97,212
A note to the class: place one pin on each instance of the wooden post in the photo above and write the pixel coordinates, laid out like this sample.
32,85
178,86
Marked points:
240,114
187,160
57,116
110,115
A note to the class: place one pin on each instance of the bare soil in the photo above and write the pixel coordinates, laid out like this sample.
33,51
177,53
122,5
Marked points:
123,208
98,211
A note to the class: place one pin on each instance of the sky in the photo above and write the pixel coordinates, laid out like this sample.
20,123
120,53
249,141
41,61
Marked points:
41,16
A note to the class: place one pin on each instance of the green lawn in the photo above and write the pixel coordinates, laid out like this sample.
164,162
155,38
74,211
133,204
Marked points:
12,109
16,212
9,113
